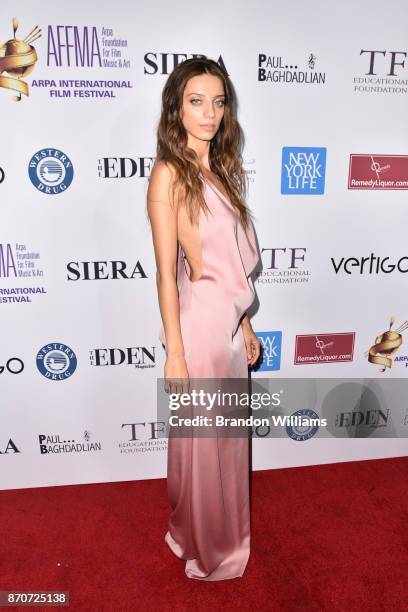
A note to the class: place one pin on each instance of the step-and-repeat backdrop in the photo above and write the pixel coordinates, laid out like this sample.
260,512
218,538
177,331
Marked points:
323,89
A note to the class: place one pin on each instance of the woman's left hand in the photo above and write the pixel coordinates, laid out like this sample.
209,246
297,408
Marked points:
252,343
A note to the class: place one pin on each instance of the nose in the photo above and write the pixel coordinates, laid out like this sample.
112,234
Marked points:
209,111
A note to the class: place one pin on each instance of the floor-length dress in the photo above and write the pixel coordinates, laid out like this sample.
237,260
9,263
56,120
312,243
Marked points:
208,478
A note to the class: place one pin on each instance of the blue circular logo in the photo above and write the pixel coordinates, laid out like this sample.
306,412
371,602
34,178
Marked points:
56,361
303,427
50,171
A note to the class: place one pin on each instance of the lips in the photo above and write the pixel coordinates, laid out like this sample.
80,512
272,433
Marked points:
208,125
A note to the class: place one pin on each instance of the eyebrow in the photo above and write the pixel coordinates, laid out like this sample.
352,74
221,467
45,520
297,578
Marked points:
200,94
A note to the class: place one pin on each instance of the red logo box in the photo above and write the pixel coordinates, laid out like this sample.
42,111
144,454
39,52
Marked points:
378,171
324,348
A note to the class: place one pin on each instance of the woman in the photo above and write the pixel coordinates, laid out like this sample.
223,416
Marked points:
205,251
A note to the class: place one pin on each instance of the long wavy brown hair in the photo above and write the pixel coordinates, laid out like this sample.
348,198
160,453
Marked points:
225,148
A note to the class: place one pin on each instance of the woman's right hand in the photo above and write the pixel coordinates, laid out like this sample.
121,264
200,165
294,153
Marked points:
176,374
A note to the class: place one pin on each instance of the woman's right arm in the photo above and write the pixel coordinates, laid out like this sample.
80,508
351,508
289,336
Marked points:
163,218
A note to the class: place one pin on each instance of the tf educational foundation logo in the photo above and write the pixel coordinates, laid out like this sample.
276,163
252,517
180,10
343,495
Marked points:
386,345
17,60
271,342
50,171
303,170
56,361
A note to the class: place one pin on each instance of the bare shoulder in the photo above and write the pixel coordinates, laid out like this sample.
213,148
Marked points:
160,182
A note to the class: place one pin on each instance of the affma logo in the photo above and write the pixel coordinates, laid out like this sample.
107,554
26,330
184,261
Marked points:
2,175
386,345
50,171
17,60
56,361
271,342
303,170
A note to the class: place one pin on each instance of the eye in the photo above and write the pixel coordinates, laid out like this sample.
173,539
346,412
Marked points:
193,100
221,102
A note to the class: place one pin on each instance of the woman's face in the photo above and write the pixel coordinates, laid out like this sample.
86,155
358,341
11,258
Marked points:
203,106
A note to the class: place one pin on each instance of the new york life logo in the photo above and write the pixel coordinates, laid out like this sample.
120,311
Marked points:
303,170
271,342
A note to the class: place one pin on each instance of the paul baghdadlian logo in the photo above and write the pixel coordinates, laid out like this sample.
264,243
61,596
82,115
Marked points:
17,61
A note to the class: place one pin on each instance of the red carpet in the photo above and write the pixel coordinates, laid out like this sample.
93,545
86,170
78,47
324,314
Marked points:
330,537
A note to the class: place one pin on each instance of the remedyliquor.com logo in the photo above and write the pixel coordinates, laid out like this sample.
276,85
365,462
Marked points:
56,361
50,171
386,345
324,348
17,61
378,171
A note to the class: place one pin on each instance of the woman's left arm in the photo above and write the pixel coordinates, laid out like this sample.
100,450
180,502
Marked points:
252,343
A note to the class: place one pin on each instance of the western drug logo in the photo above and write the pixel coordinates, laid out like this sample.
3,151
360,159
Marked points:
303,170
50,171
56,361
304,424
271,343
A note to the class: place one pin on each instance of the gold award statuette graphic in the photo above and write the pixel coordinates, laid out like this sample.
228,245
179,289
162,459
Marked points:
17,60
386,344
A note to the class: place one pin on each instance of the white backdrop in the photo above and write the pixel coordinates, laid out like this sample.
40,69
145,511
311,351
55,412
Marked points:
317,98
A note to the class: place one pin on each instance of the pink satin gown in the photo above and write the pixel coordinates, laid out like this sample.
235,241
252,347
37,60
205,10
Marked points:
208,478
